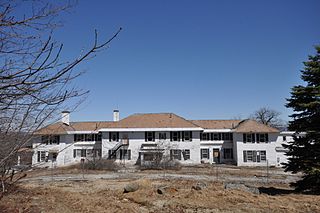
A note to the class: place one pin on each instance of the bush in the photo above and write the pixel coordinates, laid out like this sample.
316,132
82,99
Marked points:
164,164
100,164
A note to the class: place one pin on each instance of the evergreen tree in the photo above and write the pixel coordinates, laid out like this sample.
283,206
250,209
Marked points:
304,152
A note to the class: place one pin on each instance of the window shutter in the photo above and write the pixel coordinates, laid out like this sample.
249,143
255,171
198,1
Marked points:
190,135
109,136
179,154
258,138
201,136
171,154
117,136
219,136
38,156
253,138
129,154
267,138
182,136
121,154
153,136
244,156
244,137
170,136
178,136
145,136
74,153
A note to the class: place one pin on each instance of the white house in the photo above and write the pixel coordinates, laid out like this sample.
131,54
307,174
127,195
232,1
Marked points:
140,138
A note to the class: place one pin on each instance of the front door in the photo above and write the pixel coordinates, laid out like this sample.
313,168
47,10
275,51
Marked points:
216,155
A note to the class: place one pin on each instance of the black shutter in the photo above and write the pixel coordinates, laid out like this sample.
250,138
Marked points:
179,151
170,136
258,138
201,136
219,136
212,137
231,136
38,156
117,136
109,136
182,136
244,137
178,136
153,136
171,157
190,135
253,138
121,153
267,138
244,156
145,136
74,153
129,154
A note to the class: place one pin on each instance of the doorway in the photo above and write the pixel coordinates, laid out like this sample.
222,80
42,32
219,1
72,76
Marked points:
216,155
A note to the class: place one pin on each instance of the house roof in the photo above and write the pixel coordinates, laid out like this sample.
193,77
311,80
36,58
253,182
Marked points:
254,126
61,128
154,120
216,124
157,120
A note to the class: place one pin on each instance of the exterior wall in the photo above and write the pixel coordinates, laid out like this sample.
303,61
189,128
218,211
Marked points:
65,149
269,147
137,141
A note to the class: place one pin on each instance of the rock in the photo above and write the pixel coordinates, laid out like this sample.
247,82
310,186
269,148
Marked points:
242,187
163,189
131,187
199,186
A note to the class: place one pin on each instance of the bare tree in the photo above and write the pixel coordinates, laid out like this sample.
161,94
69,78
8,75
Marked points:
268,117
35,82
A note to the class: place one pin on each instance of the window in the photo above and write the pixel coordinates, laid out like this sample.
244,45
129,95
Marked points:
82,153
162,136
284,138
113,136
175,154
262,137
204,153
228,153
186,154
227,136
187,136
175,136
50,139
216,136
149,136
54,156
248,137
204,136
87,137
254,156
42,156
125,154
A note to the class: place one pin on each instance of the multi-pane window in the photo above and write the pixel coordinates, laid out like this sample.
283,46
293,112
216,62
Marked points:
248,137
204,153
186,154
254,156
50,139
175,136
175,154
262,137
187,136
204,136
227,153
162,136
86,153
227,136
149,136
42,156
216,136
113,136
87,137
252,138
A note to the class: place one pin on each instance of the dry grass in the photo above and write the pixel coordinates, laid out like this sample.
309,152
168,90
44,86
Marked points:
107,196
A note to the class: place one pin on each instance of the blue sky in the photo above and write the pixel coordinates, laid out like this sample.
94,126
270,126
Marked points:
198,59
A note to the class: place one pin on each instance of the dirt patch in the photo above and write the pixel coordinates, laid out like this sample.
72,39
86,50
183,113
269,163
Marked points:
108,196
